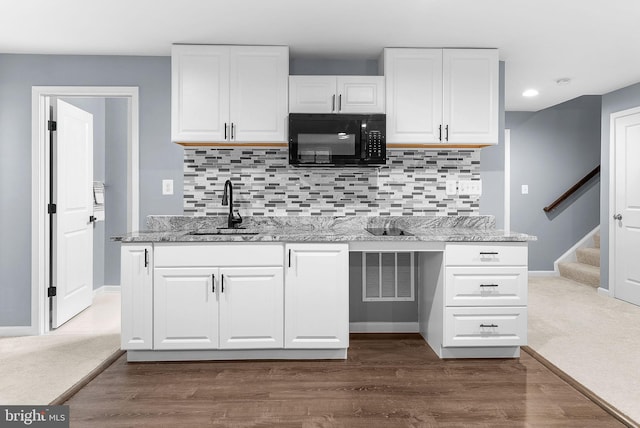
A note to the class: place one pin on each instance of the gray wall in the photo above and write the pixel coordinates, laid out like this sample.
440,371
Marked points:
116,118
96,107
612,102
550,151
492,167
159,158
330,67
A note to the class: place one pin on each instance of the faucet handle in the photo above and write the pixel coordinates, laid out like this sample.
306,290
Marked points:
236,220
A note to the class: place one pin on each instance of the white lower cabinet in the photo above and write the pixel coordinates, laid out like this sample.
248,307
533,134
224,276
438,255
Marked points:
218,307
185,308
136,288
485,326
251,308
485,295
317,296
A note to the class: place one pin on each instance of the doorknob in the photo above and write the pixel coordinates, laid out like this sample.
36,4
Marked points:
92,219
617,217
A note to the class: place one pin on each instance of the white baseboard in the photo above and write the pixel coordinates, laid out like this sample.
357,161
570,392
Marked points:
604,292
106,289
570,254
383,327
543,273
18,331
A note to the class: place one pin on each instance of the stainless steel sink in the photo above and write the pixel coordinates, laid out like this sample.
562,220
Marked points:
392,231
223,231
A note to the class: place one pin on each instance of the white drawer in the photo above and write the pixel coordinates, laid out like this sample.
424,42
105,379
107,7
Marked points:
486,286
486,254
497,326
203,255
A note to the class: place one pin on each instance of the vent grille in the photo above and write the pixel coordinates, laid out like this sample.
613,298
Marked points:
388,277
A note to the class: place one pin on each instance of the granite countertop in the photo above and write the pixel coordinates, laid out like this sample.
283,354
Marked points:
324,229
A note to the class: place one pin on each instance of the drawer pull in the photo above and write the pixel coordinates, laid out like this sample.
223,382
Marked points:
488,285
489,325
488,253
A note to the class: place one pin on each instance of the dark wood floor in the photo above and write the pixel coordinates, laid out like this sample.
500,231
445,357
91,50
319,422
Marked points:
387,381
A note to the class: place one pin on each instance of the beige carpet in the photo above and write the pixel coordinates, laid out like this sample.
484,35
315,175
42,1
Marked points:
37,369
592,338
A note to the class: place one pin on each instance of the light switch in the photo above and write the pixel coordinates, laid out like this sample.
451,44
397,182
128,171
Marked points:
525,189
167,187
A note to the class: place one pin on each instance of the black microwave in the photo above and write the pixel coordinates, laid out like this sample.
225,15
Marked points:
337,139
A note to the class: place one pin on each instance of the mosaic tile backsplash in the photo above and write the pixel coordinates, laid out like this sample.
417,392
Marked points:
412,183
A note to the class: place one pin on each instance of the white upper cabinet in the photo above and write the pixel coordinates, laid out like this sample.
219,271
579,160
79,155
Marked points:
414,95
229,93
470,101
336,94
442,96
312,94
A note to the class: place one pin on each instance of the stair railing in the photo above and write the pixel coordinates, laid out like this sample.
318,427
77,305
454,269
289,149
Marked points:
572,190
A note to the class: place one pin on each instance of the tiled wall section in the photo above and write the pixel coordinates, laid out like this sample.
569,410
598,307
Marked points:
412,183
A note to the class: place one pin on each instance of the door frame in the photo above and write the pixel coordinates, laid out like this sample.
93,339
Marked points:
612,194
39,185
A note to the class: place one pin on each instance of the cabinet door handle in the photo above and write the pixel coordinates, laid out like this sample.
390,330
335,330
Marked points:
446,133
489,325
222,288
225,131
232,126
488,285
146,258
440,133
213,282
488,253
333,102
340,102
289,257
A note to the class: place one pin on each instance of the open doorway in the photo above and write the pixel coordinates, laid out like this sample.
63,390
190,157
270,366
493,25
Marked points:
116,166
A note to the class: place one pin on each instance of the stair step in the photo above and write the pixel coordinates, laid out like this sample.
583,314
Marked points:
589,256
596,239
580,272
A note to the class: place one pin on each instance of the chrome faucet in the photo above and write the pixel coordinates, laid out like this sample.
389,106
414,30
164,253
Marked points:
233,222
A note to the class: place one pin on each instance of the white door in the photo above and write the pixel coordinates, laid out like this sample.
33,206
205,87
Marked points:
413,80
72,230
317,296
470,96
251,308
360,94
312,94
627,208
200,93
258,83
185,309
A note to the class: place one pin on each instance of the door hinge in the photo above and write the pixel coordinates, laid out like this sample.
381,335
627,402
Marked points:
52,125
51,291
51,208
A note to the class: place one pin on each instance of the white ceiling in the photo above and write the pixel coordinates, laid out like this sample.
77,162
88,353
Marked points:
592,42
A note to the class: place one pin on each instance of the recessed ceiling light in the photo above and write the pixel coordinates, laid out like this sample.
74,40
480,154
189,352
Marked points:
563,81
530,93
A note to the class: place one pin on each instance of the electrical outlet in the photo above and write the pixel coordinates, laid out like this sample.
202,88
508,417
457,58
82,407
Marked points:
475,187
525,189
167,187
470,187
452,187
